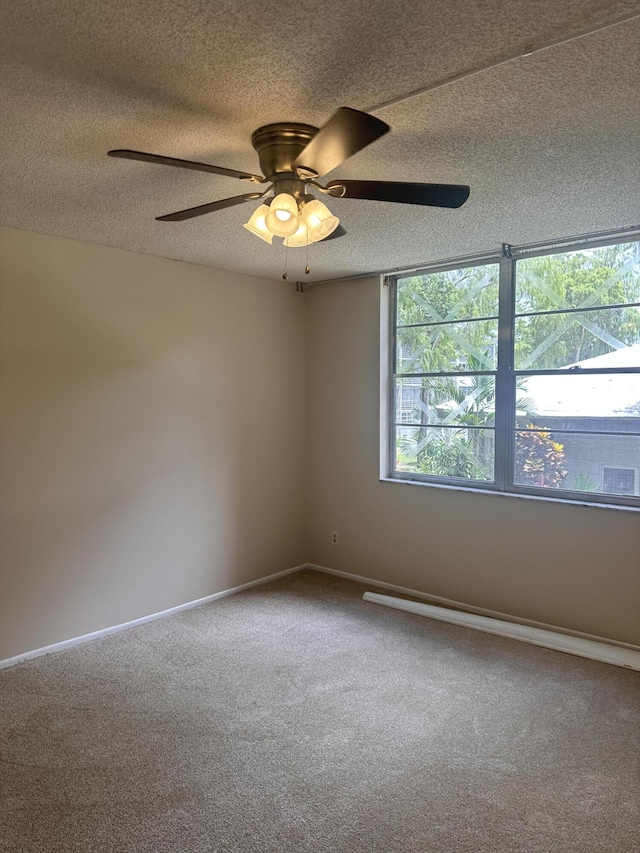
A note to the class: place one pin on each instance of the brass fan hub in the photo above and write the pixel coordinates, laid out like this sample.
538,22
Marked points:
278,145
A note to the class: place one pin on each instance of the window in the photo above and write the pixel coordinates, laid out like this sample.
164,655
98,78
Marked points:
520,372
619,481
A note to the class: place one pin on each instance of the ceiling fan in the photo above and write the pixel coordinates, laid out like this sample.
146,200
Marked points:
292,157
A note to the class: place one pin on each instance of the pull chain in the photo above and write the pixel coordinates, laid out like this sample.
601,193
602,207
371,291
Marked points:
286,252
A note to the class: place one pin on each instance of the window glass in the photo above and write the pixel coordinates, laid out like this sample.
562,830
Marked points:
555,341
444,424
446,401
607,275
550,388
451,295
575,461
597,402
619,481
447,348
446,452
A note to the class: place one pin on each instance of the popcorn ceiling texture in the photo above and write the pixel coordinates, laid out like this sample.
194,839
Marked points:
548,143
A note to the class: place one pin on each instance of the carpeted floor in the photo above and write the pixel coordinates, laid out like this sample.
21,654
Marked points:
295,717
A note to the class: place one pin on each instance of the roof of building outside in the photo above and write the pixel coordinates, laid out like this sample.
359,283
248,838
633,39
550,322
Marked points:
592,395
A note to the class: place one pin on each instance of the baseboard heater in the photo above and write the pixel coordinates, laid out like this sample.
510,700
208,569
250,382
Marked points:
604,652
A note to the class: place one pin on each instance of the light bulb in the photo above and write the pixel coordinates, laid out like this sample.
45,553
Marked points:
257,225
282,219
300,238
319,220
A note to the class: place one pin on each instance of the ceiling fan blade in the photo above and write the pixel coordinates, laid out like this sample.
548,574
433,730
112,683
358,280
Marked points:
347,132
432,195
337,232
201,209
126,154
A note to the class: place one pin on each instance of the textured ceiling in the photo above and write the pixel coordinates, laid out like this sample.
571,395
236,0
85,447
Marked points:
548,143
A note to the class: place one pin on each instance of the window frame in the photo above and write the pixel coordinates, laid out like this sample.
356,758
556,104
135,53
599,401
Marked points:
506,373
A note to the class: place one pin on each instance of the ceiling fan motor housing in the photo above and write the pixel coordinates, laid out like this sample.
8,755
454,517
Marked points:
278,145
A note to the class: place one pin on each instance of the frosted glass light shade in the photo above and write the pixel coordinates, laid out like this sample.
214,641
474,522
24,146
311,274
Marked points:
257,224
319,220
300,238
282,219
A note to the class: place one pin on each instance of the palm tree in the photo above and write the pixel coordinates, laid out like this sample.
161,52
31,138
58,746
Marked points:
464,408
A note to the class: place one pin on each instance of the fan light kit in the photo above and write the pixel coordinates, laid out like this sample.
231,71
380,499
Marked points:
292,157
310,223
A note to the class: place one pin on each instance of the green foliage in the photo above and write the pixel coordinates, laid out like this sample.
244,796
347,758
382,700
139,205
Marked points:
539,459
467,401
605,276
583,482
447,453
430,307
452,295
448,296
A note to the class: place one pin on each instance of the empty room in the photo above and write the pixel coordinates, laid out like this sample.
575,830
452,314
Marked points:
320,426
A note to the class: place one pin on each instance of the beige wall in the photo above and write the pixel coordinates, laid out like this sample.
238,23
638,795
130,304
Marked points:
153,450
571,566
152,435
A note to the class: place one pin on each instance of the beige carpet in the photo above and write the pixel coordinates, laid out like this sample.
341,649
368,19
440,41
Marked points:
295,717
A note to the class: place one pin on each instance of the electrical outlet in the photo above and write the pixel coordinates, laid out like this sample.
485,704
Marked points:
335,539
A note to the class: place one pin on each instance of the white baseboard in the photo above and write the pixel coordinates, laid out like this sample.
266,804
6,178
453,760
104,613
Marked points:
524,633
470,608
560,645
103,632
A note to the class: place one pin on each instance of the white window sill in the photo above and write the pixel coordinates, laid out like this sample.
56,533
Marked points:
496,493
